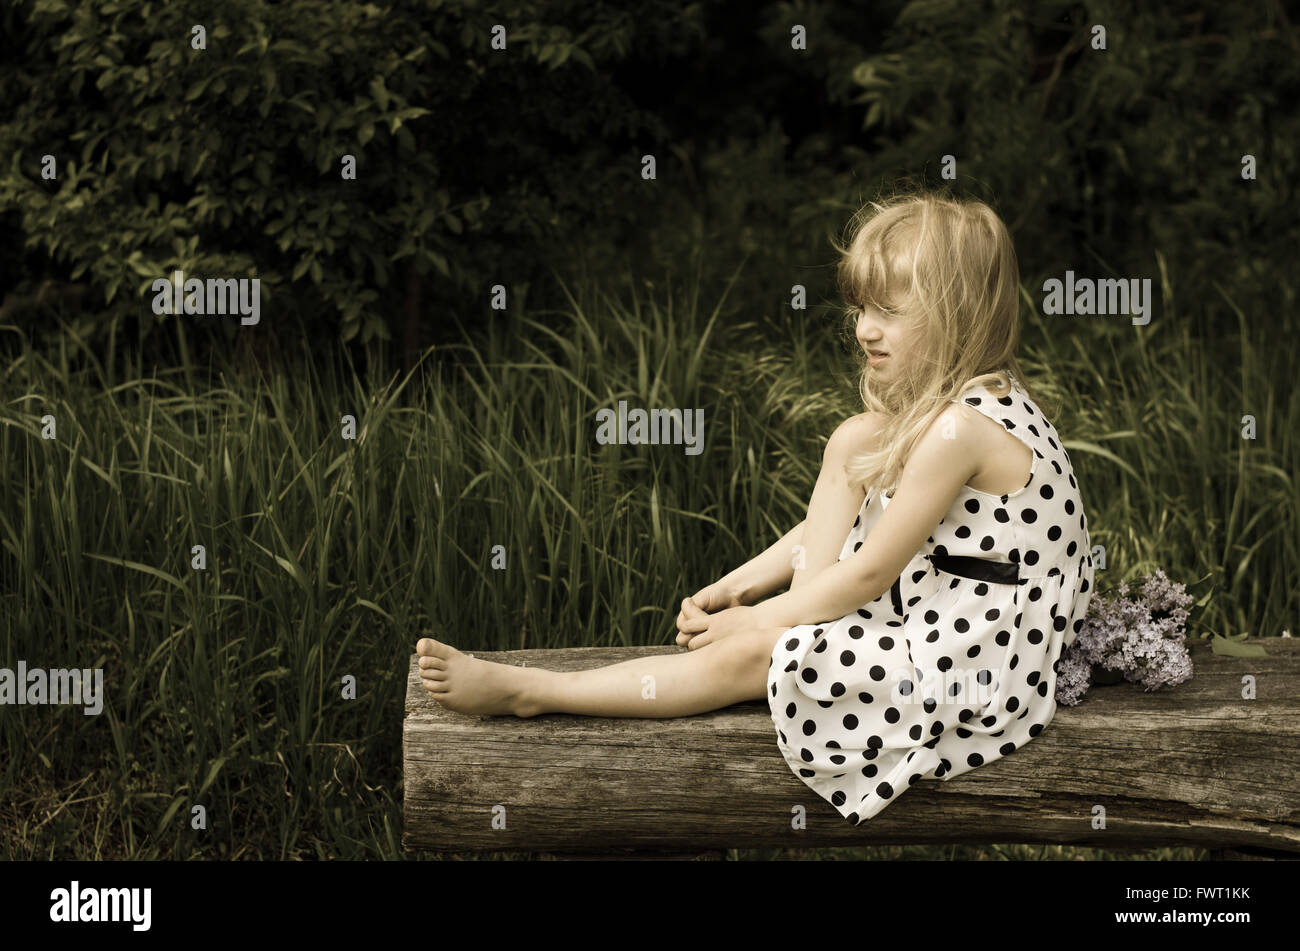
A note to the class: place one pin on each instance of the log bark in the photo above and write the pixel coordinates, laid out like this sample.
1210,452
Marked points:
1192,765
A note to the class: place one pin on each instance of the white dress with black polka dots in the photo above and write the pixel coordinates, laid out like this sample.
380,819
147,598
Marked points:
955,665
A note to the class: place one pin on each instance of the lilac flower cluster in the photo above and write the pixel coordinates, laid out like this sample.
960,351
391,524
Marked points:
1142,637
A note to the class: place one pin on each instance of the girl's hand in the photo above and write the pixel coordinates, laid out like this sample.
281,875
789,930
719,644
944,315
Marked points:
715,597
708,600
698,628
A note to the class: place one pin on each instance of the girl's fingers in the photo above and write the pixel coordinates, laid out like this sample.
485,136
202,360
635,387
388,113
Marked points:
704,600
691,620
699,640
694,625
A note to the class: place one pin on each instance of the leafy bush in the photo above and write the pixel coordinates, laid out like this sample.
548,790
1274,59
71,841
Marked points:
225,161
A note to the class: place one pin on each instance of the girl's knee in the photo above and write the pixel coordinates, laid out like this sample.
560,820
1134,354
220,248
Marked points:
760,644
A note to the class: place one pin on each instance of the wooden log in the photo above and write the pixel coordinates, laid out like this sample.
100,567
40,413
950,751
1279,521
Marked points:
1193,765
714,855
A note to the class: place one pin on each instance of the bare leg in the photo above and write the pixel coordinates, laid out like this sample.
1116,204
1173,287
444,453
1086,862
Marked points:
717,675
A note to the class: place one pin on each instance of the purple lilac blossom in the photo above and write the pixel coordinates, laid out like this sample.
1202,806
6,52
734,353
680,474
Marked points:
1142,636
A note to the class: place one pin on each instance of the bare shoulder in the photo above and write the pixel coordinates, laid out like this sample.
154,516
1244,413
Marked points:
959,427
954,438
856,434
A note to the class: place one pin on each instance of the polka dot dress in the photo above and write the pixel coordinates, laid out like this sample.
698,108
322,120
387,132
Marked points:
955,665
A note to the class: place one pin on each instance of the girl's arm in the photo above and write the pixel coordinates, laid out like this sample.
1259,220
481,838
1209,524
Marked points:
834,501
766,573
935,472
820,535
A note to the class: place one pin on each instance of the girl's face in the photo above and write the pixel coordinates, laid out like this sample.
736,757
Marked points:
887,342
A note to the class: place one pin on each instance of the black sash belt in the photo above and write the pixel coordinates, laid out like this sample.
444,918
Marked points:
979,569
964,566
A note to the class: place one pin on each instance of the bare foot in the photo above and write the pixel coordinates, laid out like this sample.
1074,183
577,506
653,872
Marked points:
466,684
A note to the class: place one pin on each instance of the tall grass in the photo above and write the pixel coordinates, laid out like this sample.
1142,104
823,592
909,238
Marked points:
328,557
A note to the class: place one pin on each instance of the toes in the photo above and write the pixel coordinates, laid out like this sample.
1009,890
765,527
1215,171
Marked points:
428,647
428,662
433,674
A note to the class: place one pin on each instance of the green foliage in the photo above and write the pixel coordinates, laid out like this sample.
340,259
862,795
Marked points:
225,161
1095,157
478,166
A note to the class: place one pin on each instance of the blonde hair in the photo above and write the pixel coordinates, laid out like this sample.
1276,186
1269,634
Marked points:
946,268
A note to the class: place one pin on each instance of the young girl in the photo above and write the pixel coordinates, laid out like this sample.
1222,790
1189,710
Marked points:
926,643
